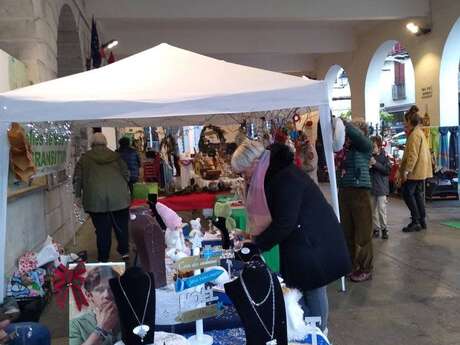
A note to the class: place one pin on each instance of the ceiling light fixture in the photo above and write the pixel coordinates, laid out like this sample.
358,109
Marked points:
417,30
110,44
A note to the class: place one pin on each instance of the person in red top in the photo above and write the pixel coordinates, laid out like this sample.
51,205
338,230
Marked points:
151,166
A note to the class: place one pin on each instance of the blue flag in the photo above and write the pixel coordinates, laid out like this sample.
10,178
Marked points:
95,46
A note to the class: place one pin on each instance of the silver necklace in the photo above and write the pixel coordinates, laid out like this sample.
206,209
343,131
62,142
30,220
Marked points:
257,304
141,330
253,305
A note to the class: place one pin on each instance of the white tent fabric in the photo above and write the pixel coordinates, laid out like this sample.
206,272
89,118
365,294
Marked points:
161,81
166,83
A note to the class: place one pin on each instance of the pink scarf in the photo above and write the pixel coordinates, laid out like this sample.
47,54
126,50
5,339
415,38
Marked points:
256,201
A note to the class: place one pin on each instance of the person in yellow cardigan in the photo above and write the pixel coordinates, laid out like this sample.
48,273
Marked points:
414,169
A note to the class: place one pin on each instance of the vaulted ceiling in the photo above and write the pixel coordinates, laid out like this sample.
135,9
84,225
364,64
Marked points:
279,35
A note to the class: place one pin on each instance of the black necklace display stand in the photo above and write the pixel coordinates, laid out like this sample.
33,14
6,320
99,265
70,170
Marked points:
152,201
219,223
255,275
136,285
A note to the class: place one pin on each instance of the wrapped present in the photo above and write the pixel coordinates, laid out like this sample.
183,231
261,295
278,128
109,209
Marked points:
28,285
27,262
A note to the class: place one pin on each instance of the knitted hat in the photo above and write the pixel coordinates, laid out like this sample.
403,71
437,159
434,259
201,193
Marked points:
170,218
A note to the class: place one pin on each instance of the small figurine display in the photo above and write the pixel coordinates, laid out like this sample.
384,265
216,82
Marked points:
174,237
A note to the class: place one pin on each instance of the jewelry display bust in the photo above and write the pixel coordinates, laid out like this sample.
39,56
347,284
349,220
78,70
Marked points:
134,294
258,299
150,243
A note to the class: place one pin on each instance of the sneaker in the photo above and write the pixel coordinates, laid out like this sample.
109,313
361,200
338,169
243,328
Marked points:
359,277
412,227
376,233
385,234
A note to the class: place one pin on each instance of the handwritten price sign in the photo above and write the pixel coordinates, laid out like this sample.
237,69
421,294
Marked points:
200,313
194,298
191,263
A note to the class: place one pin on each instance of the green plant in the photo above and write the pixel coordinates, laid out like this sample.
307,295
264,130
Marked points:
386,117
346,115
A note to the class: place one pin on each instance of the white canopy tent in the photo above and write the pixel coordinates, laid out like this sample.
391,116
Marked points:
162,85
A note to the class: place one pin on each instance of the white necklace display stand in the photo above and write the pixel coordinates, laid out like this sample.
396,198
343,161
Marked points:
199,338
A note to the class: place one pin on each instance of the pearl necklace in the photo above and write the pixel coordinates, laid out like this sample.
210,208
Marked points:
141,330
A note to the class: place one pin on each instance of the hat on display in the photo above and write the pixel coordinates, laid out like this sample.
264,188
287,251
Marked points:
170,218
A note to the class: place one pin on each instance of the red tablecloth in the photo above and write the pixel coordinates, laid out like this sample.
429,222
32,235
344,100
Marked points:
189,202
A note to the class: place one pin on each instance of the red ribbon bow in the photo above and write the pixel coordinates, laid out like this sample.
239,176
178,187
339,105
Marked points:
64,279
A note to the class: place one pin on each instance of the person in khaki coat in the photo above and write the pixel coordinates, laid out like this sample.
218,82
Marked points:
415,168
101,185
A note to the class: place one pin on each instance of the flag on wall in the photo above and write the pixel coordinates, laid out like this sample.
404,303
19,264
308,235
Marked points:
111,58
95,46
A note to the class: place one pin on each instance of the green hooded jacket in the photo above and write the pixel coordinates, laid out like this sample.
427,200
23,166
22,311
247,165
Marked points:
357,160
101,180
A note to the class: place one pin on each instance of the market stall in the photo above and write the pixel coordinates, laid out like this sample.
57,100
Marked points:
160,86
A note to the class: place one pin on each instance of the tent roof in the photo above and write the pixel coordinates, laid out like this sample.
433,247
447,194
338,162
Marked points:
163,81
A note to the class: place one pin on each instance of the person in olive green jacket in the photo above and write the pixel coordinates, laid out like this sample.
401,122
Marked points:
101,186
355,200
414,169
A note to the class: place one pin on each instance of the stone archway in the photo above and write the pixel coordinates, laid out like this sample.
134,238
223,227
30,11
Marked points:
449,78
338,85
69,58
371,87
393,92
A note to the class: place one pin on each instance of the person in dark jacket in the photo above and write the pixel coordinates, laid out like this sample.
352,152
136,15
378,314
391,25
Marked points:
380,170
132,159
313,251
355,200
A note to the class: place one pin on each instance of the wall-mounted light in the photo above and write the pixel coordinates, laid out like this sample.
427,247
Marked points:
110,44
417,30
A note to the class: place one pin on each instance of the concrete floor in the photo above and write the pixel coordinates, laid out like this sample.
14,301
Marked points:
413,299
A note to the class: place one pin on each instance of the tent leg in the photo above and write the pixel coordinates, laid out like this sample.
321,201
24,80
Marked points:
343,286
5,158
326,130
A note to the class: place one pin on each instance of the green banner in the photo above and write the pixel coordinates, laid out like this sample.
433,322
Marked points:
50,150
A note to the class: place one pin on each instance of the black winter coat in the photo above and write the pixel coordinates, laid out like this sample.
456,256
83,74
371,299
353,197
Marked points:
313,251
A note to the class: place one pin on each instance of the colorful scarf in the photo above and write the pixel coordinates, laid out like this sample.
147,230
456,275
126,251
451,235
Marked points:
453,148
256,201
444,148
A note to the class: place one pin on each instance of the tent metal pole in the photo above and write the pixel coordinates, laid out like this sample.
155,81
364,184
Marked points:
4,166
326,130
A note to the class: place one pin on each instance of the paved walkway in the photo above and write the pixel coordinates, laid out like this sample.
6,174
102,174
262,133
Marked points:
413,299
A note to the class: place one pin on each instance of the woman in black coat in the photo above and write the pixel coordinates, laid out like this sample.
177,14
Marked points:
313,251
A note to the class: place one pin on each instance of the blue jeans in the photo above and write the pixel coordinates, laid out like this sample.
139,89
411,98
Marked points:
315,303
29,333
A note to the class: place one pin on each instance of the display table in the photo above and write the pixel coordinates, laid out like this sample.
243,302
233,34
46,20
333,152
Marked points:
202,183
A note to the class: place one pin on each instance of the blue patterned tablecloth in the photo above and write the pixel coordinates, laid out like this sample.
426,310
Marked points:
237,336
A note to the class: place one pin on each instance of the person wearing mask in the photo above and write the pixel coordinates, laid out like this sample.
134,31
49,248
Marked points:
101,186
355,199
380,170
100,324
414,169
286,208
132,160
